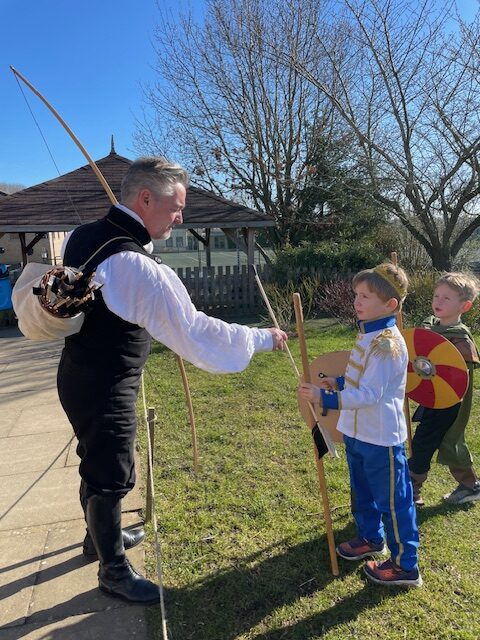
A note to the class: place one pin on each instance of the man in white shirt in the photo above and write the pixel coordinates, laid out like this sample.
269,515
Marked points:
100,368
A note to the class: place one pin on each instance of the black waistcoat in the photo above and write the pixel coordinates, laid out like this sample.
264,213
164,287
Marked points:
105,340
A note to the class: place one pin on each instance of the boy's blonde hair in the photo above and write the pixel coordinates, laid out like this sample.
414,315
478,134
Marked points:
387,281
465,284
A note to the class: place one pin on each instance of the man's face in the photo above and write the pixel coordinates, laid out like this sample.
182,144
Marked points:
161,213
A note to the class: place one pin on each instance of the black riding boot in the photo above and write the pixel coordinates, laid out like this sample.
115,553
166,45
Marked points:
130,538
116,576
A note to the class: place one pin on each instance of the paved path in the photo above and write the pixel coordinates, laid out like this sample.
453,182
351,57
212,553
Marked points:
47,589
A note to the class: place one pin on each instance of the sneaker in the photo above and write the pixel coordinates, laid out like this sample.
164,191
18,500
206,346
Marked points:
359,548
463,494
388,574
419,501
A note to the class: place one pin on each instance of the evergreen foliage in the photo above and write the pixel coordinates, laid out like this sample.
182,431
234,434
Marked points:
327,258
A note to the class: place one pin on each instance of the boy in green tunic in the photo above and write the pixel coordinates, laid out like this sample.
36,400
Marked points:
444,429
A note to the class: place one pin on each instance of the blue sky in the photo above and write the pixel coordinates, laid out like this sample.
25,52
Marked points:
89,59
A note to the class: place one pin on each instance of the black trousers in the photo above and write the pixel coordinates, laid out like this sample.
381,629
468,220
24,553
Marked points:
428,436
100,405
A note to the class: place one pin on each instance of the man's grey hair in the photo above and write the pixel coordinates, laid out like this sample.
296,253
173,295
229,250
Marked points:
154,173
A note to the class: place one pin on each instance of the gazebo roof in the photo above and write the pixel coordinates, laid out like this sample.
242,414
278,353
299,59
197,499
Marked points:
77,197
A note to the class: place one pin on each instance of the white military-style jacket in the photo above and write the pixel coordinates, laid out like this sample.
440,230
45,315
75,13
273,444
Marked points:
372,391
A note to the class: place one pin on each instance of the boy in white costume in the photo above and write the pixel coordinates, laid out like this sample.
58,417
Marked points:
370,397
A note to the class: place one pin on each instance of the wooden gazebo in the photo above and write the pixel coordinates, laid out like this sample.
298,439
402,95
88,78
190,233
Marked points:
74,198
77,197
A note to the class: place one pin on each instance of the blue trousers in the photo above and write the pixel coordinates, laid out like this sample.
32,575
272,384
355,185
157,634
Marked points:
382,498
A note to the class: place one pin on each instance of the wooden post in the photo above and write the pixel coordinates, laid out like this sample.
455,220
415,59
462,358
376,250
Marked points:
191,415
250,262
151,417
406,406
318,461
208,249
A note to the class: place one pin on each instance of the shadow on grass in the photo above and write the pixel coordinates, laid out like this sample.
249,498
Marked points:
227,604
440,509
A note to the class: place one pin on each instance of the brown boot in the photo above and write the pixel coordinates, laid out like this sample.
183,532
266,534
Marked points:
417,481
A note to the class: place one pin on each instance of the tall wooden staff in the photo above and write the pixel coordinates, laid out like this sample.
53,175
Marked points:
188,400
318,461
406,406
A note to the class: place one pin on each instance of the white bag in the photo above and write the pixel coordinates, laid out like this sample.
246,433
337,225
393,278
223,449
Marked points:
33,320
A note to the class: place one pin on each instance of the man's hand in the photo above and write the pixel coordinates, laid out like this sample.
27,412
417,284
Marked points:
279,338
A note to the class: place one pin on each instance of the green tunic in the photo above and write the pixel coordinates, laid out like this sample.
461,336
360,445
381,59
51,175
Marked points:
453,451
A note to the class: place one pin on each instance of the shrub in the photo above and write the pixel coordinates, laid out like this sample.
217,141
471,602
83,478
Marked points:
322,259
418,303
335,299
281,300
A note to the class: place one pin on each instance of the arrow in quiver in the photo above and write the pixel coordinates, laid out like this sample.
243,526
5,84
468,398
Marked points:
331,364
437,375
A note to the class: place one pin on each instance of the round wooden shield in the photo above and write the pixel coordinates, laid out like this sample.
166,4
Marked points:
328,364
437,373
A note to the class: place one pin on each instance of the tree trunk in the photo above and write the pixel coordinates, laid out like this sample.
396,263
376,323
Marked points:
441,260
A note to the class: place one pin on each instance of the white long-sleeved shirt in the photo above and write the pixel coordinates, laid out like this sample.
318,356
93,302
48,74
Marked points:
371,402
152,296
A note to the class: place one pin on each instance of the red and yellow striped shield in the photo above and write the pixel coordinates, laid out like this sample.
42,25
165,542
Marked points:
437,373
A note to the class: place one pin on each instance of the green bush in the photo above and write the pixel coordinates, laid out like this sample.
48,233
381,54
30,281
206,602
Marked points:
333,297
472,318
418,303
323,259
281,300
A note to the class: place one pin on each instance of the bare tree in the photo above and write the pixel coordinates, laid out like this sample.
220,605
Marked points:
406,82
7,187
236,115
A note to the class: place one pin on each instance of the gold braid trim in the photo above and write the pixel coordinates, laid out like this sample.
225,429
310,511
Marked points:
383,273
386,345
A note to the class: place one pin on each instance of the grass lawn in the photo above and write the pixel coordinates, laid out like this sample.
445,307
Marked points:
245,554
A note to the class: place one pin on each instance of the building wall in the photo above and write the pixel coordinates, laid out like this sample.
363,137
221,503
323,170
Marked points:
183,240
49,246
55,241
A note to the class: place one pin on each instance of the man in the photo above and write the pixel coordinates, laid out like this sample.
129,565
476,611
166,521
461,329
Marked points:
100,367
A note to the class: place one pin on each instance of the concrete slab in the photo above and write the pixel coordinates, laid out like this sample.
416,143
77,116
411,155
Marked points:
39,498
47,589
48,577
11,405
127,623
21,553
72,459
32,451
45,396
12,398
28,366
34,379
53,588
49,497
44,419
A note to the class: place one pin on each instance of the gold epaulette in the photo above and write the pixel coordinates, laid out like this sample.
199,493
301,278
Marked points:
386,345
